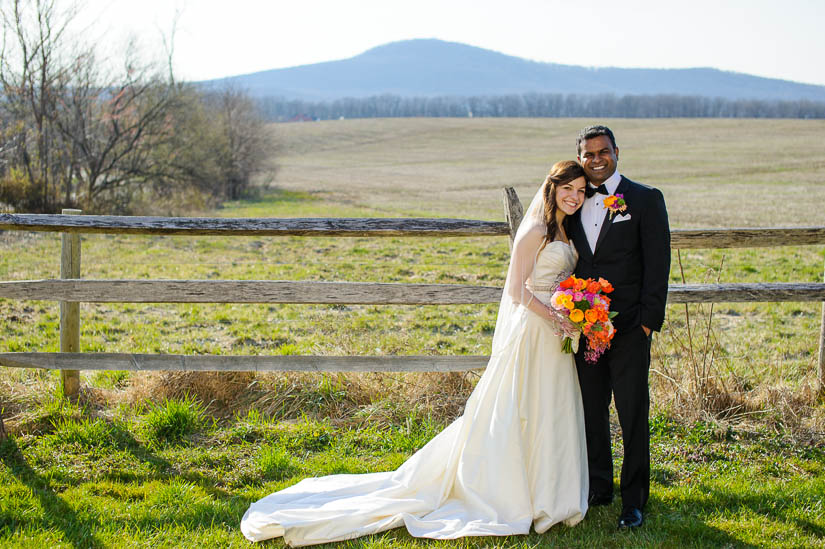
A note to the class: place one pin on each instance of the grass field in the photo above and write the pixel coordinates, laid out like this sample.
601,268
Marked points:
740,467
713,173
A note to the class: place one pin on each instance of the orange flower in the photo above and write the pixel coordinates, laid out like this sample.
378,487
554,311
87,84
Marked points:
576,315
568,283
592,315
594,287
603,316
607,287
581,283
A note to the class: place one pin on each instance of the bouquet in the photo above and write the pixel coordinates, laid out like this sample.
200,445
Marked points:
584,303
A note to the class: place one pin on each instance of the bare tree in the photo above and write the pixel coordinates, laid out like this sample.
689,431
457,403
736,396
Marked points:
242,137
114,126
77,133
32,76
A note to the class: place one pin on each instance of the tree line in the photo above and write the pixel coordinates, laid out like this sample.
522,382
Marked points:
74,133
540,105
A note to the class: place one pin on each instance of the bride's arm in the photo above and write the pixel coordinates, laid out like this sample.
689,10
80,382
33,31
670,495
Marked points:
522,264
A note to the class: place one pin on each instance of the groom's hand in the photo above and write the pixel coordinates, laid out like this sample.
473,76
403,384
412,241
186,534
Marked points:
646,329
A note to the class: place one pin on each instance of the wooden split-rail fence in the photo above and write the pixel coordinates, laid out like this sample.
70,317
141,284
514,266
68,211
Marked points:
70,289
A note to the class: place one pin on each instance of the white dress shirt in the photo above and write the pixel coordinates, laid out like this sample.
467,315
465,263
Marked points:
593,211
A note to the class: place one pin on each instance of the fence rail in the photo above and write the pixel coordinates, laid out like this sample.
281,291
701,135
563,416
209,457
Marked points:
248,291
195,226
375,227
354,293
70,289
240,363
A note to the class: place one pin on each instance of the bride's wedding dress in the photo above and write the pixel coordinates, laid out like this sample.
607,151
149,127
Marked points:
516,457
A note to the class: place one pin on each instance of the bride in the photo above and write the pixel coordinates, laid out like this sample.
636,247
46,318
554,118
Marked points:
517,455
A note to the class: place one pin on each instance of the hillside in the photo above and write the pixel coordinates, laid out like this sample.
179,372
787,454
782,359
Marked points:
429,67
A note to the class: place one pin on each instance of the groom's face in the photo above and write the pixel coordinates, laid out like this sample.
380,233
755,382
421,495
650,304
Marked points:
598,157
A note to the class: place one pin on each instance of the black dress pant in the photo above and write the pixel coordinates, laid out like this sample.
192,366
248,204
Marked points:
622,371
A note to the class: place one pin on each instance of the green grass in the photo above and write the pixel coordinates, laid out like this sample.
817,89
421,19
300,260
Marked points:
97,482
140,464
172,420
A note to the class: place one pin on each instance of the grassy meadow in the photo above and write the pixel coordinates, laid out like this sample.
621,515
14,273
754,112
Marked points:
163,459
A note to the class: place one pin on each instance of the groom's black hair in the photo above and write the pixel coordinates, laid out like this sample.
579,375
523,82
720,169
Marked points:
593,131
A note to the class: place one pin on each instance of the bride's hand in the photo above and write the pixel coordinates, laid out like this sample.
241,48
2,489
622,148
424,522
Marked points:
568,328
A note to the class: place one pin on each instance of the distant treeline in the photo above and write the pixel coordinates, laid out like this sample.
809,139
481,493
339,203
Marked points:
553,105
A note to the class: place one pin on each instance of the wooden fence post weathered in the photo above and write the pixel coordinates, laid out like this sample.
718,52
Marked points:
513,212
821,371
69,310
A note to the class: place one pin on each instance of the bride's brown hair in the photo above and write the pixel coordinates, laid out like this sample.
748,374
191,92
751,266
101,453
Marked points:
561,173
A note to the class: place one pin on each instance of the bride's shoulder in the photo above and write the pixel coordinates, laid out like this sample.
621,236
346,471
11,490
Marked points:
532,235
532,229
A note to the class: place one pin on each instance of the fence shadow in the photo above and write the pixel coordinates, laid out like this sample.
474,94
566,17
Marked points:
57,514
79,530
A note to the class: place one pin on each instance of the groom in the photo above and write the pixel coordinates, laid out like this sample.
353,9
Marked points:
631,249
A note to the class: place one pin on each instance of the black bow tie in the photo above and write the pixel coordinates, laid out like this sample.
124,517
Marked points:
590,191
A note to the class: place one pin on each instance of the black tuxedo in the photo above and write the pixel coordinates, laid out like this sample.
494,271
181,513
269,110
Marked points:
633,253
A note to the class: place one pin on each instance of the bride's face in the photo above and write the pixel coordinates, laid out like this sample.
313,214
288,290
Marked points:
570,196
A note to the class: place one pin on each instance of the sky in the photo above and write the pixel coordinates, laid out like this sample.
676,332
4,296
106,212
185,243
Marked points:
216,38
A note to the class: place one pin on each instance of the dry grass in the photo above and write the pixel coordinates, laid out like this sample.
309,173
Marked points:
219,391
380,398
713,173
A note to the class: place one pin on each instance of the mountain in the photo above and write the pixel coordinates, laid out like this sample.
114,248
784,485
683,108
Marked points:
429,67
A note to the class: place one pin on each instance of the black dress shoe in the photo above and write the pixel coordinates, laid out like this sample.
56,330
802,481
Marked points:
631,517
595,500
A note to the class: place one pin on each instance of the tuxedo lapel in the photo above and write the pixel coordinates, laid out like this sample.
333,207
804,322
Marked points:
608,219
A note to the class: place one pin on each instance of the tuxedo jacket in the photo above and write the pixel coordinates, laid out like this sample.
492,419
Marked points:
633,253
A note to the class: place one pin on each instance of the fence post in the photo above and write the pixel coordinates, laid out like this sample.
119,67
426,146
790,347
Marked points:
822,350
70,311
513,212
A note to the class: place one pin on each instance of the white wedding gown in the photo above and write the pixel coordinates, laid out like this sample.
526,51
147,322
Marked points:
516,457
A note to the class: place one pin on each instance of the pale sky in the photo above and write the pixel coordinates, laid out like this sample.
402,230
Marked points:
215,38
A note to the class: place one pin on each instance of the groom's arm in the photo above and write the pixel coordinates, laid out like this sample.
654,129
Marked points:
655,243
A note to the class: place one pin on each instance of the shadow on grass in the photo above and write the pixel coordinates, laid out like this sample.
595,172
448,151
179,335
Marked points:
773,506
173,506
163,470
155,514
57,514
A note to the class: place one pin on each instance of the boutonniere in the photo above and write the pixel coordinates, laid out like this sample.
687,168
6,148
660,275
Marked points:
614,204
